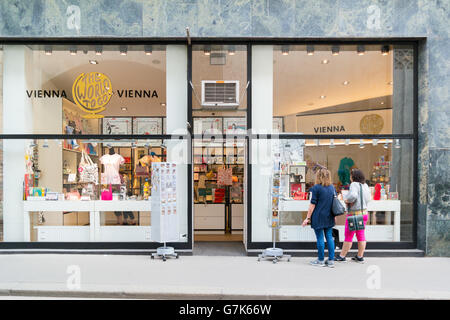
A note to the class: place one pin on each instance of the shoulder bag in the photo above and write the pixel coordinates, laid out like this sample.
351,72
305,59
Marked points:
356,222
337,208
87,169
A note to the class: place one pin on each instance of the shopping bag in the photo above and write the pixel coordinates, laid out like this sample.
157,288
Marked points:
87,169
224,177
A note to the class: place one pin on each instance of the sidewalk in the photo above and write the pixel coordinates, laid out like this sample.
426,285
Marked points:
206,277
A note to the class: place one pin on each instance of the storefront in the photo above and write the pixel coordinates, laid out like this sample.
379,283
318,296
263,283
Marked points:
82,123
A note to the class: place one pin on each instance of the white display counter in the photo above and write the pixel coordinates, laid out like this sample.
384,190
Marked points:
95,231
386,232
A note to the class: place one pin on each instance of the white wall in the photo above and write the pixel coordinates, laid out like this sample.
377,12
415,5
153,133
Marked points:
176,105
262,103
17,118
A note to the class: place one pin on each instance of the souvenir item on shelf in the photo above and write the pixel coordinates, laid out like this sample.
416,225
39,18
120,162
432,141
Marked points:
112,164
73,195
393,195
219,195
87,169
377,193
107,194
88,191
210,174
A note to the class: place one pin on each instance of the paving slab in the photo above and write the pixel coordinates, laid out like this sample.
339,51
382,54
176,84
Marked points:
220,277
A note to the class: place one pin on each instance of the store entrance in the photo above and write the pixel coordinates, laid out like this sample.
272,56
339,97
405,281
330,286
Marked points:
219,184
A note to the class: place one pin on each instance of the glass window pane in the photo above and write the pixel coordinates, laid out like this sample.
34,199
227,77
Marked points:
347,89
89,190
67,89
387,165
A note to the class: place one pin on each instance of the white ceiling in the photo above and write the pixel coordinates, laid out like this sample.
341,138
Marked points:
299,79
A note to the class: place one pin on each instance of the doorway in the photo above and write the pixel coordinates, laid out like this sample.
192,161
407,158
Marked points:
219,118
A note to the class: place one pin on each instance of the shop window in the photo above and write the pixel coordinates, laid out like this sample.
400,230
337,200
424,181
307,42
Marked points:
93,189
382,161
346,89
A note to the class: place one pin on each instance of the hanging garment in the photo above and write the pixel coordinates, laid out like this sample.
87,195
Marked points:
344,170
112,164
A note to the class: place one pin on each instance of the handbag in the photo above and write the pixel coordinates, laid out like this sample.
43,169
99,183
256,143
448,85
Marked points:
224,177
356,222
107,194
337,208
141,171
87,169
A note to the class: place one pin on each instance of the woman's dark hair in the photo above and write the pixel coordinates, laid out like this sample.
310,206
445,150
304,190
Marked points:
358,176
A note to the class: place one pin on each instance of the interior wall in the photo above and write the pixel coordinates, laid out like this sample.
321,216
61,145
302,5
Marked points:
330,157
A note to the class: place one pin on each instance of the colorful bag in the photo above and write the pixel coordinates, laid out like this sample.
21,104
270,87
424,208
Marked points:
141,171
225,177
107,194
87,169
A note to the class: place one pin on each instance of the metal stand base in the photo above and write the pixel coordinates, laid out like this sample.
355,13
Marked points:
165,252
276,254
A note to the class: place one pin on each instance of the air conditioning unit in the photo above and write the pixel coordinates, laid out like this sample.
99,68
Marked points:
220,94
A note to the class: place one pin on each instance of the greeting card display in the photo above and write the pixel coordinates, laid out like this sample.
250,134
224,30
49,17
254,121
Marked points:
164,202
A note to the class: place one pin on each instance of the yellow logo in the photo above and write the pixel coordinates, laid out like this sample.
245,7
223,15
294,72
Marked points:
371,124
92,92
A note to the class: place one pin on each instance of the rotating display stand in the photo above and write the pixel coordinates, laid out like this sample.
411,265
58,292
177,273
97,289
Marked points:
164,252
164,208
274,253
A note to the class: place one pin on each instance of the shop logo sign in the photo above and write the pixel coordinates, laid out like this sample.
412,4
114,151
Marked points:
92,92
371,124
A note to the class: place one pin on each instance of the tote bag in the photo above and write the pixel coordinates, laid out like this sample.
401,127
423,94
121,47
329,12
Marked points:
224,177
87,169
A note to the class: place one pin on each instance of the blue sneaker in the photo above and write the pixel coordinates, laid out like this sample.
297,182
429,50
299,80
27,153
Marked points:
329,263
317,263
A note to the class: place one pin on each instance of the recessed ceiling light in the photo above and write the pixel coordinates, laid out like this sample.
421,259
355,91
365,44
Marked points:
124,108
325,61
48,50
231,50
93,61
285,50
98,50
123,50
360,50
148,50
335,50
322,97
207,51
309,50
73,51
385,50
345,82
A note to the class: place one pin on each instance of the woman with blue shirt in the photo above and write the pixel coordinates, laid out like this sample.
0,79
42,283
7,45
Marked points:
321,218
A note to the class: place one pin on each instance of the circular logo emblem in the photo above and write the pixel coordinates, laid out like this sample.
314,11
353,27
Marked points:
91,92
371,124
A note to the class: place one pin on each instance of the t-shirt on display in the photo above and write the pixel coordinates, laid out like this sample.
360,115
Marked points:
112,164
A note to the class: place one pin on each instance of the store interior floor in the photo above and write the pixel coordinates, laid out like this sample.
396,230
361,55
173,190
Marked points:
219,248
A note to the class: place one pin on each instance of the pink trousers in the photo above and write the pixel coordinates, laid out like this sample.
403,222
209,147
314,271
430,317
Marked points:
360,235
